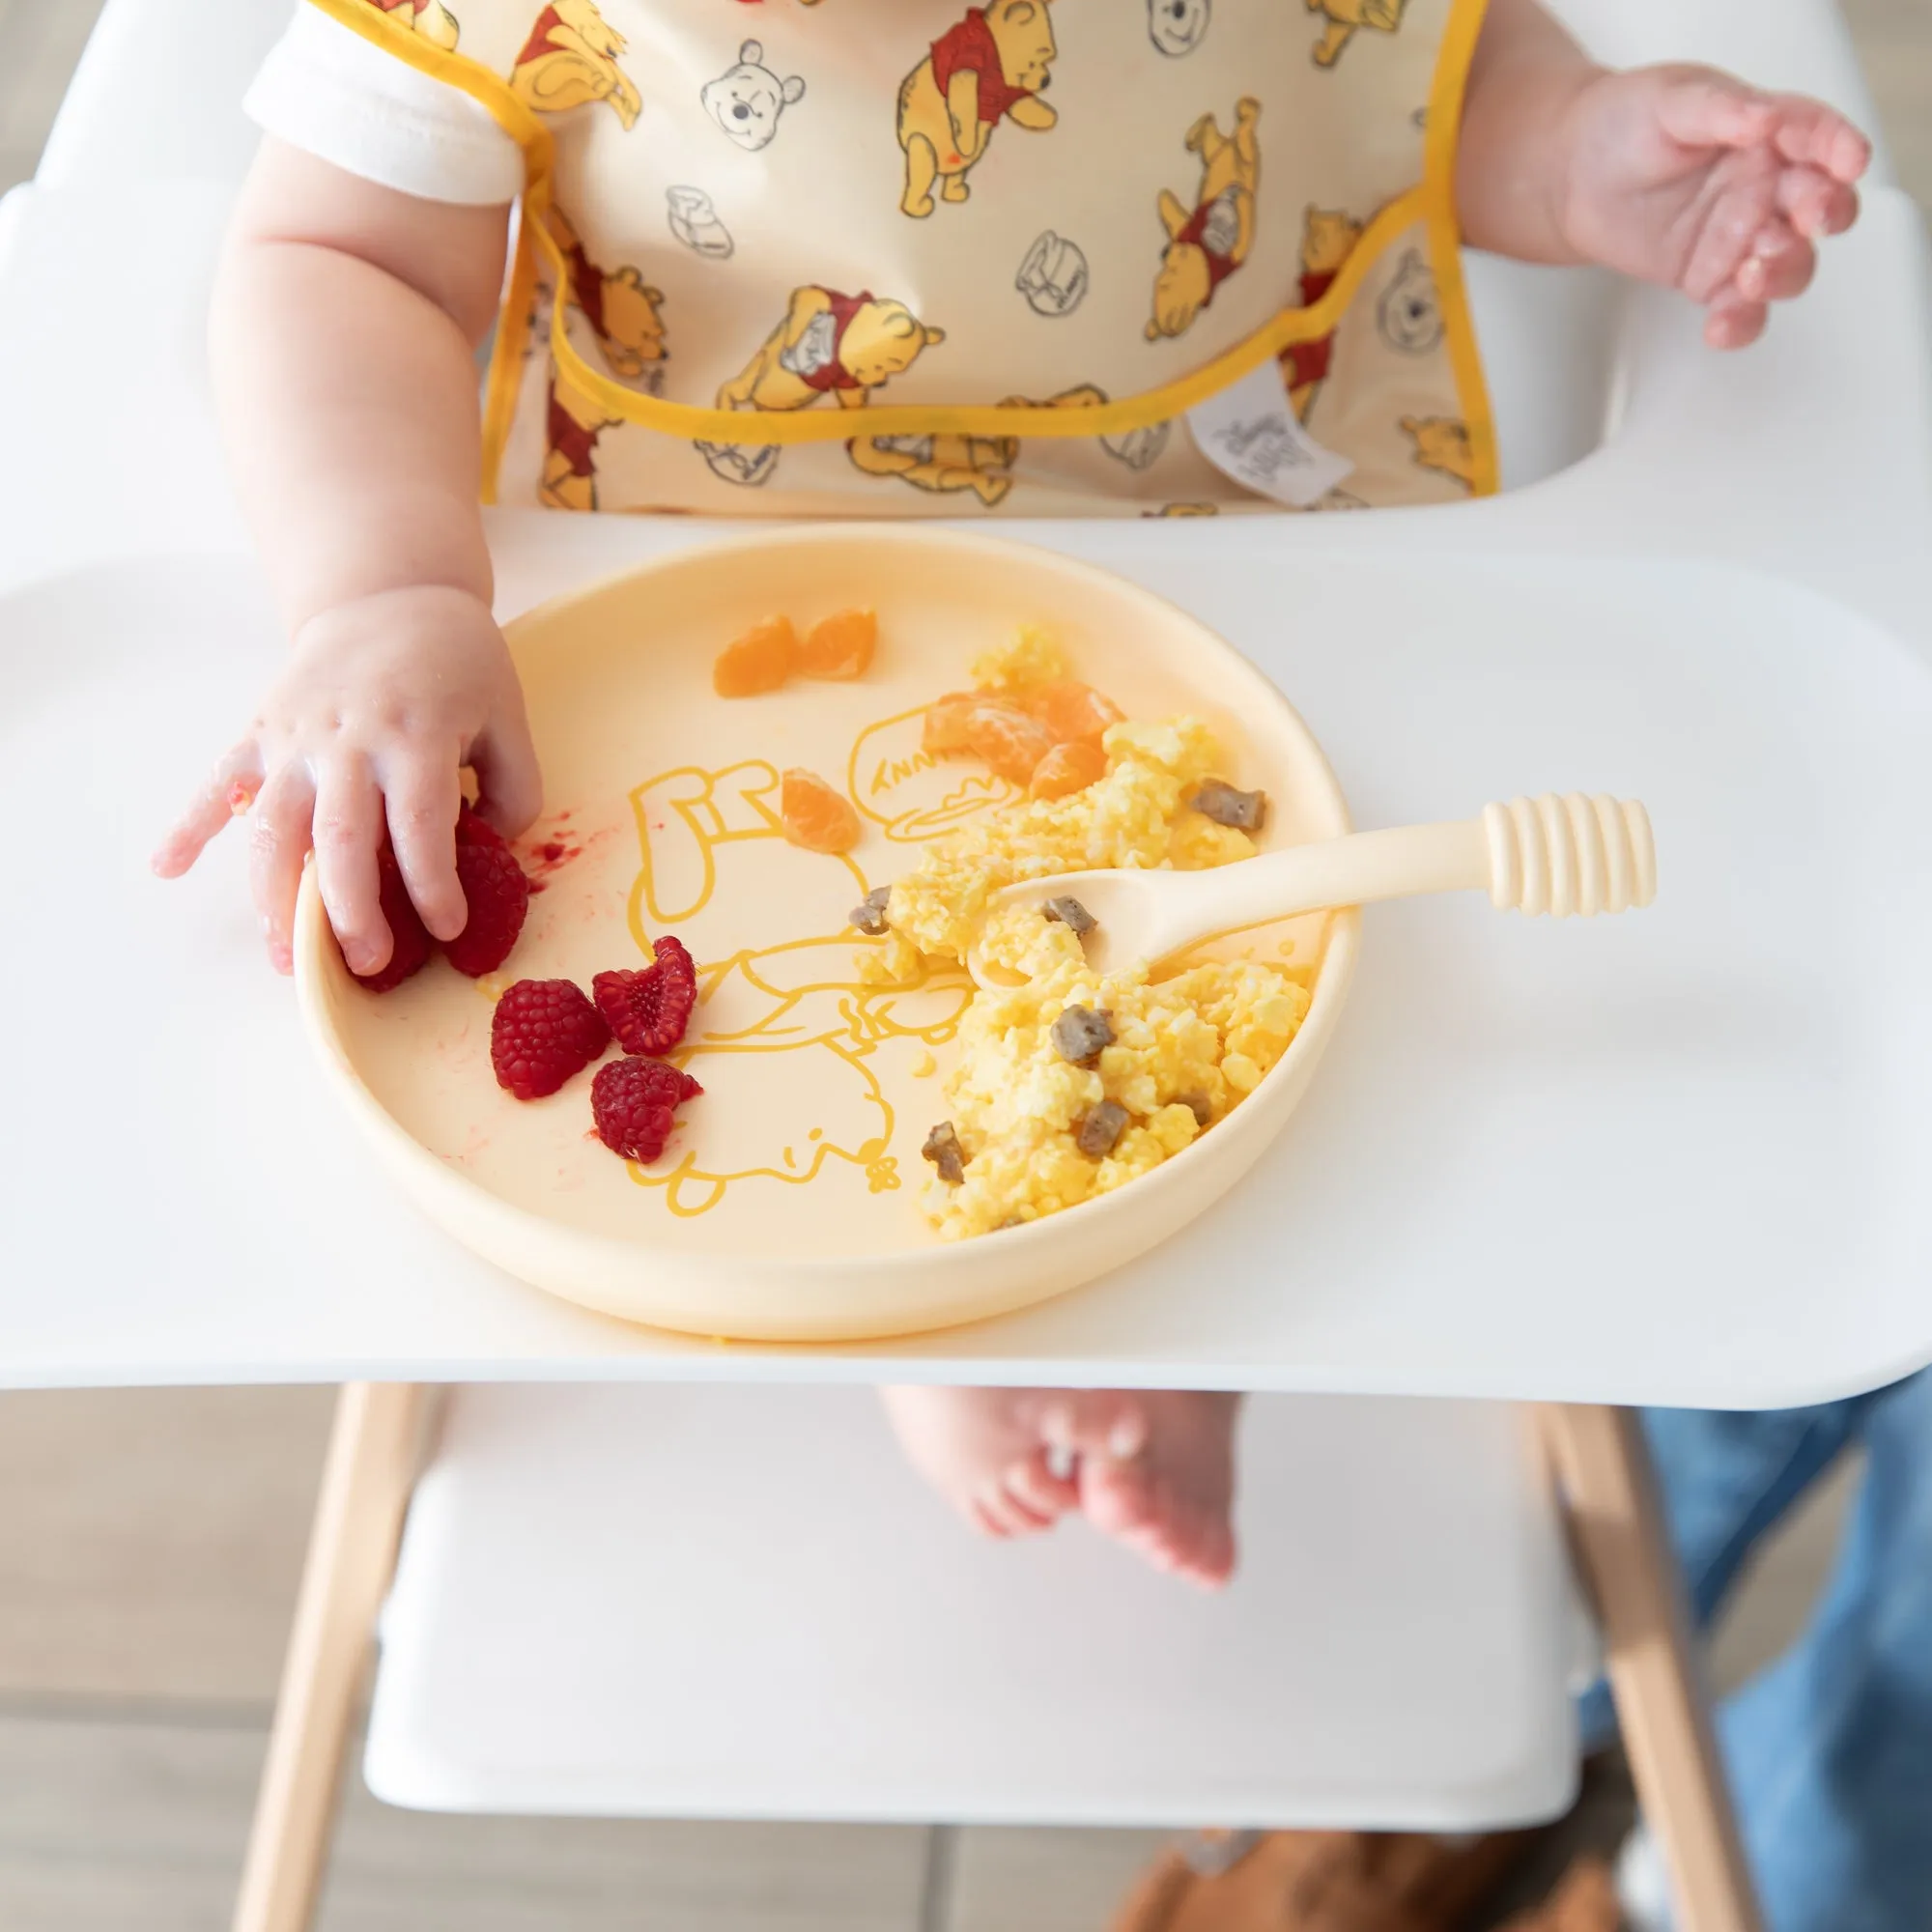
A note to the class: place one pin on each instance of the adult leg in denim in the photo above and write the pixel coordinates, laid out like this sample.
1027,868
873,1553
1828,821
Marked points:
1726,1479
1829,1750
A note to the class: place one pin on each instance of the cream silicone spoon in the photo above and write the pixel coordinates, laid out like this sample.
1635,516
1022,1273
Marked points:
1562,855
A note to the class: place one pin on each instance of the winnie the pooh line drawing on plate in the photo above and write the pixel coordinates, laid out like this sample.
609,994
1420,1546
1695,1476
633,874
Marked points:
570,60
830,345
428,20
913,794
1210,242
1346,19
791,1023
991,66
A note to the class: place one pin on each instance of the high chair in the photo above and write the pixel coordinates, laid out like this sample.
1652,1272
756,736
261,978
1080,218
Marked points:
722,1595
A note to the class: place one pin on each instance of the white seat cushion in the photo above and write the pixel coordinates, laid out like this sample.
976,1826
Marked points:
699,1602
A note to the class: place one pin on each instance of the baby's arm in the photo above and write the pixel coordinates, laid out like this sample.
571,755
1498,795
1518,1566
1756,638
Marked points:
345,324
1676,175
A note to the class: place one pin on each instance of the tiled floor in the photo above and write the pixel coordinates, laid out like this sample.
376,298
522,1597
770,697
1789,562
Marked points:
149,1541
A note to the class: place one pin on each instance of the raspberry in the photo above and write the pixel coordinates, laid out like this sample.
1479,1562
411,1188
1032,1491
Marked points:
497,895
543,1032
474,829
412,943
636,1103
649,1011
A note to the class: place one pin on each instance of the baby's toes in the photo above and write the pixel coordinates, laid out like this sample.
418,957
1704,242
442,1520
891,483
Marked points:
1000,1512
1174,1534
988,1520
1038,1487
1119,1498
1203,1551
1099,1423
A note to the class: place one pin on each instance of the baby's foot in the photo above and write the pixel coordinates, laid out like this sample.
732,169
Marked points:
1153,1470
1172,1500
1686,177
1005,1458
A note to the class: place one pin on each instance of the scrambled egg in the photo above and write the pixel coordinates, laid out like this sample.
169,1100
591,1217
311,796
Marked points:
1186,1049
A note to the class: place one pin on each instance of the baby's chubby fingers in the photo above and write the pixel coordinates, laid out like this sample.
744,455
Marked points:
1814,203
1733,323
424,792
1811,134
348,830
229,791
278,844
1779,267
505,760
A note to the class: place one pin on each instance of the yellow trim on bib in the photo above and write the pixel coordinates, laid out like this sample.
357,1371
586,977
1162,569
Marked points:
1441,145
1432,203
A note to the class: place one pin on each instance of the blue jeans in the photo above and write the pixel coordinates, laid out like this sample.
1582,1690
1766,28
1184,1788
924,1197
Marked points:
1829,1749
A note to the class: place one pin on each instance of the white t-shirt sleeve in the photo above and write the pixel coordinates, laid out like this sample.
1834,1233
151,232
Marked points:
328,91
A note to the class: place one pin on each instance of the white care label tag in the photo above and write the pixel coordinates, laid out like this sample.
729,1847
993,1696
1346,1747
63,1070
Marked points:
1249,432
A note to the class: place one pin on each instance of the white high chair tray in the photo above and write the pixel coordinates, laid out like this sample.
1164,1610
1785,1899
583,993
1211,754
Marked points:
1676,1158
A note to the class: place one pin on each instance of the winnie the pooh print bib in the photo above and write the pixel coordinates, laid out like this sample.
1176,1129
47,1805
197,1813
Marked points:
902,257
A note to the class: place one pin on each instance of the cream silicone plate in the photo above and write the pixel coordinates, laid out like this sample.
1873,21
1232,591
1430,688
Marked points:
786,1207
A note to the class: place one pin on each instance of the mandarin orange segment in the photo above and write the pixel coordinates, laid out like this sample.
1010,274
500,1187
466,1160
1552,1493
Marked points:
760,661
946,722
816,816
1068,768
840,646
1010,742
1072,711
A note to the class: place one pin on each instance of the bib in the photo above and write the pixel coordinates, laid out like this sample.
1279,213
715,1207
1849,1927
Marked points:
900,257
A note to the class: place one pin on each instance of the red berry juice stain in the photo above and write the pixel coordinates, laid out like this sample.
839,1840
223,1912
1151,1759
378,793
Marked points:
551,853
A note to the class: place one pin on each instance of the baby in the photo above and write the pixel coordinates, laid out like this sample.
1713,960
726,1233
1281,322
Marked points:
1074,218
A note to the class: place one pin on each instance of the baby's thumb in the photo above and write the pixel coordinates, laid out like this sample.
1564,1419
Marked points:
1702,109
511,783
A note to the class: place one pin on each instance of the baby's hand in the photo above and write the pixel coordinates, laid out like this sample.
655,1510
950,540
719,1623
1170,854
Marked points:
382,704
1685,177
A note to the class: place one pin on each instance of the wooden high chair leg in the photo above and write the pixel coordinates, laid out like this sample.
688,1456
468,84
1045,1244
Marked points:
1611,1497
374,1450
